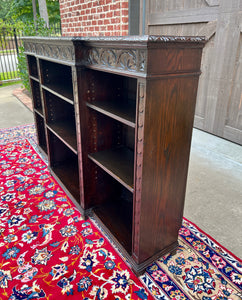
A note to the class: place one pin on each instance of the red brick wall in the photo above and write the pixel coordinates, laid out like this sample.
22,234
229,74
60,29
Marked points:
94,17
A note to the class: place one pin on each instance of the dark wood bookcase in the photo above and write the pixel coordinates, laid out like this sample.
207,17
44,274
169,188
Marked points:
115,117
52,68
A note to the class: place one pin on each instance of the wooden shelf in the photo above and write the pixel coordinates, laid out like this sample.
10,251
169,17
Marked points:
116,110
118,162
65,131
36,96
39,111
60,91
34,78
67,173
117,71
116,216
43,148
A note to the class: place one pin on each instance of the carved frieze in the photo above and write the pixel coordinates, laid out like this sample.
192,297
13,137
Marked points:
29,47
124,59
60,52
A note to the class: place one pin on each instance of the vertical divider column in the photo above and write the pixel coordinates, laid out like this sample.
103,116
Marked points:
39,68
139,135
76,78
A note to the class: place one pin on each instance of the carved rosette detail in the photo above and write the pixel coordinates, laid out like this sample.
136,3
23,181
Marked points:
142,60
27,47
108,58
93,57
33,48
127,60
139,160
68,53
56,51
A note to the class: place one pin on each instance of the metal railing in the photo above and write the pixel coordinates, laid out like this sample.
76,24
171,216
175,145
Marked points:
56,29
10,40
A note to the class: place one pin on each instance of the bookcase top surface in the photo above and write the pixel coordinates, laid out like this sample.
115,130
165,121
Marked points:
119,39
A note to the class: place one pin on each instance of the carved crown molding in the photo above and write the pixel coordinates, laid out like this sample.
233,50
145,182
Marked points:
166,39
140,38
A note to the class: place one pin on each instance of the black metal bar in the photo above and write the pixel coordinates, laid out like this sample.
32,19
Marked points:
6,58
11,55
9,51
1,58
16,41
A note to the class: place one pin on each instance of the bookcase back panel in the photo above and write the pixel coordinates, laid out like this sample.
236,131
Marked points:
101,188
113,95
41,132
64,164
58,109
32,63
111,147
116,211
35,88
112,134
57,77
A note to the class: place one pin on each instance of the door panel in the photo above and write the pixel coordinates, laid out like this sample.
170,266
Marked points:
219,99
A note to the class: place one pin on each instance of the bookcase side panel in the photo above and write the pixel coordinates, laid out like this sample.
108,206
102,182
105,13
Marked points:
175,58
169,114
76,75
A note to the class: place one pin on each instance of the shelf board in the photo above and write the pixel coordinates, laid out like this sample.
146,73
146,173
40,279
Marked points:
116,110
66,172
33,77
118,71
43,148
118,162
66,132
39,111
60,91
116,216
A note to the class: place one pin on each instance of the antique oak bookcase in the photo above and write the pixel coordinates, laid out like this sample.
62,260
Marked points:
115,116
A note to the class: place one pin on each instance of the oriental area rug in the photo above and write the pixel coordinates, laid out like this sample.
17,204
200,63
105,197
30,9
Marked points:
48,251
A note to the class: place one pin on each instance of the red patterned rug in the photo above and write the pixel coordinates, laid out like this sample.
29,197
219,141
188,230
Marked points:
47,250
